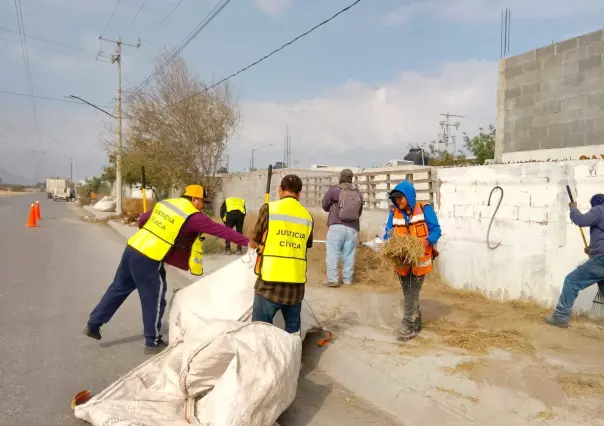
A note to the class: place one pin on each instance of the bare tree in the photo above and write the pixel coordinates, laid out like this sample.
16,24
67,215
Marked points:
178,129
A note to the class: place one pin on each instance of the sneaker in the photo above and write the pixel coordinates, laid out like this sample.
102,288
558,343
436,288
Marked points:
154,350
406,333
553,321
93,333
332,284
347,282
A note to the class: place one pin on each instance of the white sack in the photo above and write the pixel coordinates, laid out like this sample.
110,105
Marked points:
225,374
106,204
227,294
219,368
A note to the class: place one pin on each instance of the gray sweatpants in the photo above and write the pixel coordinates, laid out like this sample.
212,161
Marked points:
412,317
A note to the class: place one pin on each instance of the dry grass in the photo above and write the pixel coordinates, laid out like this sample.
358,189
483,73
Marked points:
402,250
465,368
457,394
133,207
545,415
469,337
581,384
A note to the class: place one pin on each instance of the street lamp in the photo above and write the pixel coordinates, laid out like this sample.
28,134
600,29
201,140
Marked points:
258,149
118,153
72,168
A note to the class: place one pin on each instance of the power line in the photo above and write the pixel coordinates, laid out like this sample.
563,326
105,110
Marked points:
136,16
170,14
347,8
204,23
112,15
46,98
49,49
45,40
30,85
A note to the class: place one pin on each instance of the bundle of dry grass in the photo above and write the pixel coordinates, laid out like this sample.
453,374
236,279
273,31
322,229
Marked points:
581,384
403,250
470,337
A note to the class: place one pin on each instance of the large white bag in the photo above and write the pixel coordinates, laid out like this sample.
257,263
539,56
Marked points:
219,370
106,204
228,294
225,374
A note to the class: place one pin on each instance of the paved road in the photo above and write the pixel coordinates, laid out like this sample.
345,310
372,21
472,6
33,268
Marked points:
50,279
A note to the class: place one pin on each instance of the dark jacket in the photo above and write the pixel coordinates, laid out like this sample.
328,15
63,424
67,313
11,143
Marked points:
331,204
595,220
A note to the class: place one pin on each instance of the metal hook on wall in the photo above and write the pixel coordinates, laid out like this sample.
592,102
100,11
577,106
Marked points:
493,217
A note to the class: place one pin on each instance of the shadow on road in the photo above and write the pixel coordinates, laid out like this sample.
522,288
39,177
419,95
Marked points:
130,339
311,395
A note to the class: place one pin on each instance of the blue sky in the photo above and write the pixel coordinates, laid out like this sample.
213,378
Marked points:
355,92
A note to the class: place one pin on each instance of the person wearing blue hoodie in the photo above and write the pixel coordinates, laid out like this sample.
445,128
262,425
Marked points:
589,273
410,217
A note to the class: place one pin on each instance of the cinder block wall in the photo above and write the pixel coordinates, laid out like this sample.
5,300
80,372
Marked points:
552,98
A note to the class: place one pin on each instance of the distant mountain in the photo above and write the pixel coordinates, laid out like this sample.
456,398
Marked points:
8,177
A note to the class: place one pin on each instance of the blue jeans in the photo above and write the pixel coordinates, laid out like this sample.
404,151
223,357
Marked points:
135,272
342,240
264,311
591,272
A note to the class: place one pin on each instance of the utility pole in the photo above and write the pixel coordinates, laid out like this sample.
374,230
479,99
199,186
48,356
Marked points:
287,152
116,58
445,136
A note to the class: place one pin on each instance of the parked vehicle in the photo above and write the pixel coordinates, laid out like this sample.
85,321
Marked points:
54,184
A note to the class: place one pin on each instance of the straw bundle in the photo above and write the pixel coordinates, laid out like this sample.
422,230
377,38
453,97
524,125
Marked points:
403,250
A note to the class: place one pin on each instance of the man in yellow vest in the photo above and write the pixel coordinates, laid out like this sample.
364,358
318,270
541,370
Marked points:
232,212
282,234
171,233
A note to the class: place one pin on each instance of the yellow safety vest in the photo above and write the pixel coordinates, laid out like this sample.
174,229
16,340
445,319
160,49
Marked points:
157,236
234,204
282,254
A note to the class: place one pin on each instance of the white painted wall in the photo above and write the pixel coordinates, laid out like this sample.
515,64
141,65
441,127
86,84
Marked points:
539,244
570,153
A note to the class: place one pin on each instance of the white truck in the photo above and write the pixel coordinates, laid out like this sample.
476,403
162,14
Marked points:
58,189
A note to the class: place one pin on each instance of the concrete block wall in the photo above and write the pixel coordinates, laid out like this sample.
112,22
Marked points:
538,243
552,99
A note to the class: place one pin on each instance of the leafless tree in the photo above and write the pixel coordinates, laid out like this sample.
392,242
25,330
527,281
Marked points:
177,128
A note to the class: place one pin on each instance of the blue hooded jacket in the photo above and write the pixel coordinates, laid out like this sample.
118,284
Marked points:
407,189
595,220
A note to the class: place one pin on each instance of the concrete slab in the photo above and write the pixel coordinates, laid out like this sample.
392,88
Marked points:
418,382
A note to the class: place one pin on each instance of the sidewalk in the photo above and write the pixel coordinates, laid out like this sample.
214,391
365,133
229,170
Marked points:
556,379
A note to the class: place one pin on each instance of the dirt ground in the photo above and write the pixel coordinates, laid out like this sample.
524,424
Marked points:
508,345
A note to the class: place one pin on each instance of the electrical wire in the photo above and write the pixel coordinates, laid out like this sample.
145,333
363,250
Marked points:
49,49
30,85
46,40
111,17
46,98
136,16
170,14
204,23
347,8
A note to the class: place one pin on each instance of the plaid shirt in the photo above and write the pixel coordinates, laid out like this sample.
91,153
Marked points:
283,293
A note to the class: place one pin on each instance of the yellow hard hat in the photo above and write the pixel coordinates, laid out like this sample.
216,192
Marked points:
196,191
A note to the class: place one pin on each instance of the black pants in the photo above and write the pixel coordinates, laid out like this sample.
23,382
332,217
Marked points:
412,317
235,220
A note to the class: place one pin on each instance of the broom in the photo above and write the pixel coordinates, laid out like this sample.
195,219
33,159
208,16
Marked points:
597,306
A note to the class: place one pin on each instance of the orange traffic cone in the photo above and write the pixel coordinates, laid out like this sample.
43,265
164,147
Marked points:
38,215
31,222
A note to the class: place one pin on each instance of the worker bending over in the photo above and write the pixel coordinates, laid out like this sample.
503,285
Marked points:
232,212
410,217
171,233
589,273
283,233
